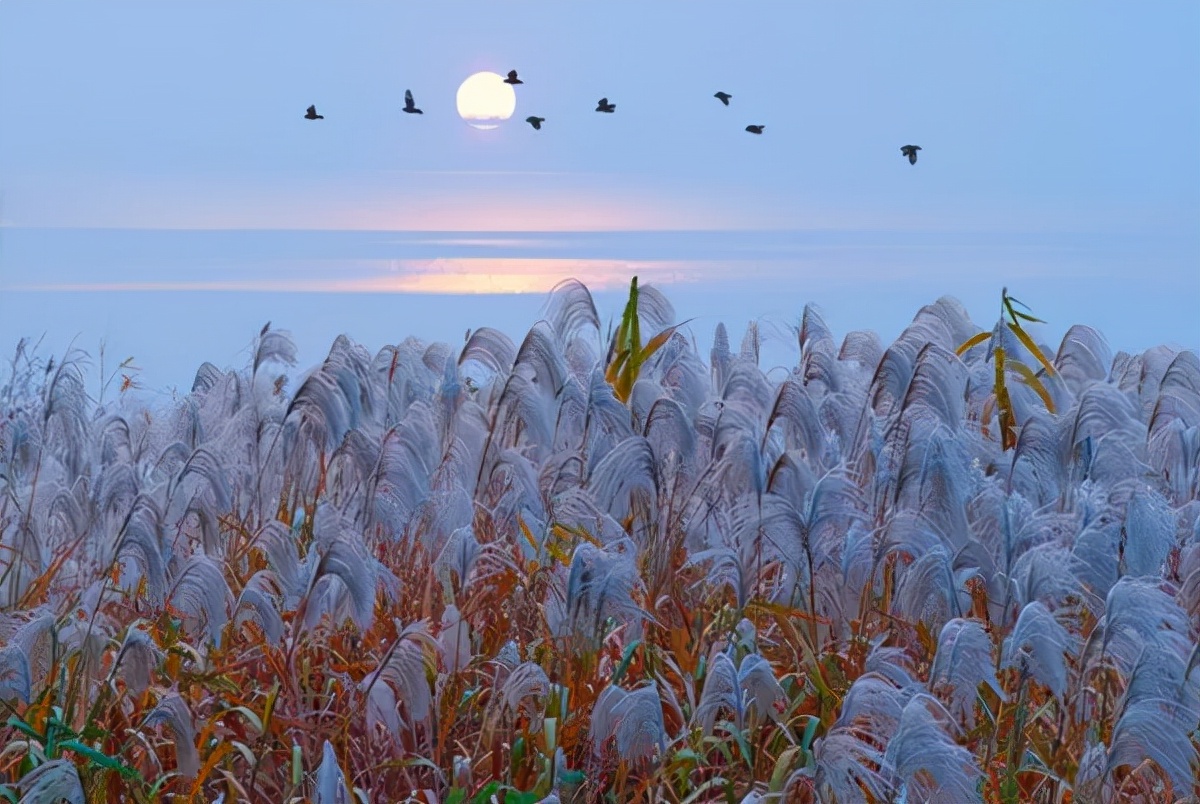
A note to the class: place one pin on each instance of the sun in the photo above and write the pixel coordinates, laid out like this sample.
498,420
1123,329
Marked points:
485,101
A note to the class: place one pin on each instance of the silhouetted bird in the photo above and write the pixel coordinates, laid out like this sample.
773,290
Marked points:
605,106
409,106
723,97
536,122
312,114
755,129
911,152
512,78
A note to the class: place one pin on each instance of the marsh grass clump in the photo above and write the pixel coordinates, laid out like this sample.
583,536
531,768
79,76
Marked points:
585,568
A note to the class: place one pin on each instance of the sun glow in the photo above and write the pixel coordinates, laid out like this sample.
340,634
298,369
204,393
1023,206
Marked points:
485,101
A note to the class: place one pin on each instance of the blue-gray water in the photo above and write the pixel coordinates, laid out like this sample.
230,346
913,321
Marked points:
173,299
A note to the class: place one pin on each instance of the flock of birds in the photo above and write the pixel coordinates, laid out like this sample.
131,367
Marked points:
603,105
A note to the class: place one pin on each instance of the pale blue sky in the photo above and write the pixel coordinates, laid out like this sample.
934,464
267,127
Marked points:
1059,157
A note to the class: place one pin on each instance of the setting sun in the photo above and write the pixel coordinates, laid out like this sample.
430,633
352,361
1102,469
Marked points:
485,101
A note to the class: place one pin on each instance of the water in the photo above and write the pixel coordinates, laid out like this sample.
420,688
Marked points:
174,299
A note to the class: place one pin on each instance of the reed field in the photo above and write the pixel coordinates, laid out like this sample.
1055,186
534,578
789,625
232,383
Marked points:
598,565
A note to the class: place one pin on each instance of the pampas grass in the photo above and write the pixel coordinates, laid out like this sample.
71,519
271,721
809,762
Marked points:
599,566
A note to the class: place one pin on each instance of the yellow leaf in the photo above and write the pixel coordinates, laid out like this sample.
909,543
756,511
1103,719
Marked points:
972,342
614,368
1033,382
1008,420
269,707
1032,347
657,343
623,387
219,751
527,533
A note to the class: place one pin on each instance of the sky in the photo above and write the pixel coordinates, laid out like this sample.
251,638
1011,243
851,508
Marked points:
160,191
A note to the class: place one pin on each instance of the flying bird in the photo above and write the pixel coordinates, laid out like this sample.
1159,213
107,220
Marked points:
409,106
536,122
512,78
911,152
755,129
605,106
312,114
723,97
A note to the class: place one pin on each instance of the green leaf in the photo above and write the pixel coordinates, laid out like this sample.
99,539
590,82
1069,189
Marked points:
698,793
626,658
456,796
1016,301
572,777
21,726
744,746
99,758
783,767
722,745
809,731
484,796
162,782
518,754
1010,792
93,732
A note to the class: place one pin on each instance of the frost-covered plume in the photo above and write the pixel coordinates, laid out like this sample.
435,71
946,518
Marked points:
525,692
400,481
634,719
137,660
342,577
454,640
139,543
1038,646
1138,612
1174,428
927,762
173,712
52,782
456,560
623,482
199,591
1149,533
850,756
331,782
600,586
260,599
750,687
27,639
932,590
1158,713
402,677
963,661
